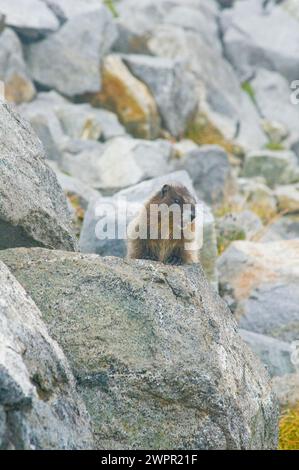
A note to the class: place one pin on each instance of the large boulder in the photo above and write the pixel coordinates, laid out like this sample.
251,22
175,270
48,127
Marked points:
31,18
73,188
171,86
243,225
275,354
260,282
65,9
288,197
272,96
136,20
79,121
196,17
56,121
222,101
41,113
33,210
258,197
211,173
82,121
189,33
13,70
119,163
129,98
75,53
39,405
255,39
286,389
156,353
283,228
131,199
277,167
81,159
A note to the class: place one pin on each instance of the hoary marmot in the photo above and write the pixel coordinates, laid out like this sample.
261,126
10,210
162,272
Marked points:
178,246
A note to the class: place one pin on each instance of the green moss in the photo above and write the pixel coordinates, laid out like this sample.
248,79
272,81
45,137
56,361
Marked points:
247,87
274,146
203,132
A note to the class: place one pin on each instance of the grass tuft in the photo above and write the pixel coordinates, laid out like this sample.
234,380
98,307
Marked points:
110,4
247,87
289,429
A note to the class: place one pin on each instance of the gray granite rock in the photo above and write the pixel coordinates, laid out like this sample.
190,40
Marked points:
152,347
274,354
13,70
39,405
149,28
172,87
42,117
73,187
277,167
284,228
65,9
260,282
33,210
82,121
119,163
74,52
32,18
272,96
244,225
211,173
255,38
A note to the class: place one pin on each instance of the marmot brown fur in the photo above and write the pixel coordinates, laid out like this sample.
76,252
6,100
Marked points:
170,250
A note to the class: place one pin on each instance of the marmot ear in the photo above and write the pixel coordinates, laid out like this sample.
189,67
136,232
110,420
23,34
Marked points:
165,189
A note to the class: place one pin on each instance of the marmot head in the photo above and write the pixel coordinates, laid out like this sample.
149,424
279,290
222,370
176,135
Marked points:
181,204
179,195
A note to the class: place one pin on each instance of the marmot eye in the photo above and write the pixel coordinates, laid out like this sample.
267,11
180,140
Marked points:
176,201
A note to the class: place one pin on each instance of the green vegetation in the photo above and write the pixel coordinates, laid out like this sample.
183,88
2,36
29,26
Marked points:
110,4
289,429
203,132
247,87
274,146
226,208
224,239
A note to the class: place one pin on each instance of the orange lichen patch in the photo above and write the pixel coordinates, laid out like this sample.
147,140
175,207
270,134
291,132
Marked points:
74,200
203,132
19,90
248,280
289,429
265,263
129,98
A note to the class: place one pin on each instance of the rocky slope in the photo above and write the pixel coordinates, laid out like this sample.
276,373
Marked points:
106,101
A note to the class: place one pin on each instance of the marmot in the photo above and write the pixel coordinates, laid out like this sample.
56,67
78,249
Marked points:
179,246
